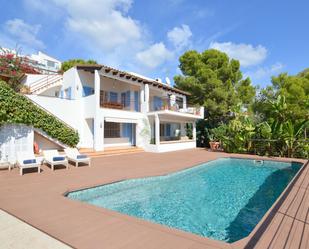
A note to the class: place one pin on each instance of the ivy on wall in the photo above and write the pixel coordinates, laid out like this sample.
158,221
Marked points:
17,109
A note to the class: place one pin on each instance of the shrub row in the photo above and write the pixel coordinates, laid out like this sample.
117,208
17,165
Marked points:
16,108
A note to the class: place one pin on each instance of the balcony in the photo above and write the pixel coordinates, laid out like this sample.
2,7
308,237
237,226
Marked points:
112,101
166,106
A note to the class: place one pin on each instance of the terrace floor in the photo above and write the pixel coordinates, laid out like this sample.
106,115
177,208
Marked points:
38,200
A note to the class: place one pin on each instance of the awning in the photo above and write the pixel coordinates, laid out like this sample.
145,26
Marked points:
121,120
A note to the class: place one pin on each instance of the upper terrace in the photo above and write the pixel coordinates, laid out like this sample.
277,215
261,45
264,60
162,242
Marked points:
127,91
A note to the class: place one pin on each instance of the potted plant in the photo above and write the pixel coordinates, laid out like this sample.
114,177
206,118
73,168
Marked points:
213,143
216,137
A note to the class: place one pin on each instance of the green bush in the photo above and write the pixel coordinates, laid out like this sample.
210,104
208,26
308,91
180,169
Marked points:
16,108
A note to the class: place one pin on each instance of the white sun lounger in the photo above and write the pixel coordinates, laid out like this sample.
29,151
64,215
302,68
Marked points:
53,158
74,156
27,160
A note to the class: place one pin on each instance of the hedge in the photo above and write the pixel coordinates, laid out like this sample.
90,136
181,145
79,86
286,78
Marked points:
18,109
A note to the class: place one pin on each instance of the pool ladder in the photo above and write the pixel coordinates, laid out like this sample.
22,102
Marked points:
260,162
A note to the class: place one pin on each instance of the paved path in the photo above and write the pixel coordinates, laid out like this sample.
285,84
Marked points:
15,234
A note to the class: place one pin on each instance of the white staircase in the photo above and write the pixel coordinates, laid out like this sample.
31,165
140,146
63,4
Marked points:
48,81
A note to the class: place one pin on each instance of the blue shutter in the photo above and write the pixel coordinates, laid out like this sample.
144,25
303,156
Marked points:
168,130
69,93
123,99
127,131
87,90
127,103
136,101
113,97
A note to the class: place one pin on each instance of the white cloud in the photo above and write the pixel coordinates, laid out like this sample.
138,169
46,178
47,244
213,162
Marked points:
265,72
154,56
247,54
105,31
180,36
103,23
24,33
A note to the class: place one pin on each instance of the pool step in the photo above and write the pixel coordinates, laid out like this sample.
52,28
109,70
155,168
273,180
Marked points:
111,151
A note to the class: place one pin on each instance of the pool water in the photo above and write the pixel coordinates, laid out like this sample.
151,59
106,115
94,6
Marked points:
222,199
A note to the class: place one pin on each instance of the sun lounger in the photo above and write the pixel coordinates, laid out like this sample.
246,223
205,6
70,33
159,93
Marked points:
26,161
74,156
53,158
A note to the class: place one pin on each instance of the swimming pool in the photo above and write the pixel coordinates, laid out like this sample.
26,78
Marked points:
222,199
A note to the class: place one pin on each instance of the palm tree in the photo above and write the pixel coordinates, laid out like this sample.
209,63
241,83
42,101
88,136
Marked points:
291,132
279,109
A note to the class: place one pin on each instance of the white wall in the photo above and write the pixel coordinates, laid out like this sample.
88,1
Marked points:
13,139
167,147
70,112
71,79
44,143
89,106
32,78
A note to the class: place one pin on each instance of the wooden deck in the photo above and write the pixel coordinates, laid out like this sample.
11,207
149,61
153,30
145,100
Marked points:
288,224
38,200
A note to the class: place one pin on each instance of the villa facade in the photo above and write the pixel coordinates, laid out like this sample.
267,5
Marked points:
112,108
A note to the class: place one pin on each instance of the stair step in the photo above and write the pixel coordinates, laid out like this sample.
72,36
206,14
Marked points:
111,151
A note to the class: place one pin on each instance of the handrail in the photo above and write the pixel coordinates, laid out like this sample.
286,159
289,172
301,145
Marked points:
189,109
60,120
45,84
44,78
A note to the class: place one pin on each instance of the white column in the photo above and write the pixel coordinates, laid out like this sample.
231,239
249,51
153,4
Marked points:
194,130
97,83
98,138
141,98
184,99
157,129
182,129
146,97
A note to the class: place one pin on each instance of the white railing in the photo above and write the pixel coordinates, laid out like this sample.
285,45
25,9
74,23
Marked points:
45,82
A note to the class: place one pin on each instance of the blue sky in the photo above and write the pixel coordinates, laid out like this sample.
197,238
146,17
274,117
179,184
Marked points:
147,37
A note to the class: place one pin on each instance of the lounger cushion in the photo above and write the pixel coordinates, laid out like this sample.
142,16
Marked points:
29,161
58,158
81,156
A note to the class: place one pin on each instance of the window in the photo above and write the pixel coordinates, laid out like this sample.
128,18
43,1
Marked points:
51,63
125,98
157,103
111,130
113,97
179,102
87,90
68,92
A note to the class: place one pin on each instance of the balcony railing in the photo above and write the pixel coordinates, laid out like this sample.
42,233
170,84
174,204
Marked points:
133,106
189,110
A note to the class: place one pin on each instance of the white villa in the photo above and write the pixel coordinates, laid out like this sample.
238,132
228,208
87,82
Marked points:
112,108
44,63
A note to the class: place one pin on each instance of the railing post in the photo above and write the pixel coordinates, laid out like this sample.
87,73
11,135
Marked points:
146,89
98,136
194,131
